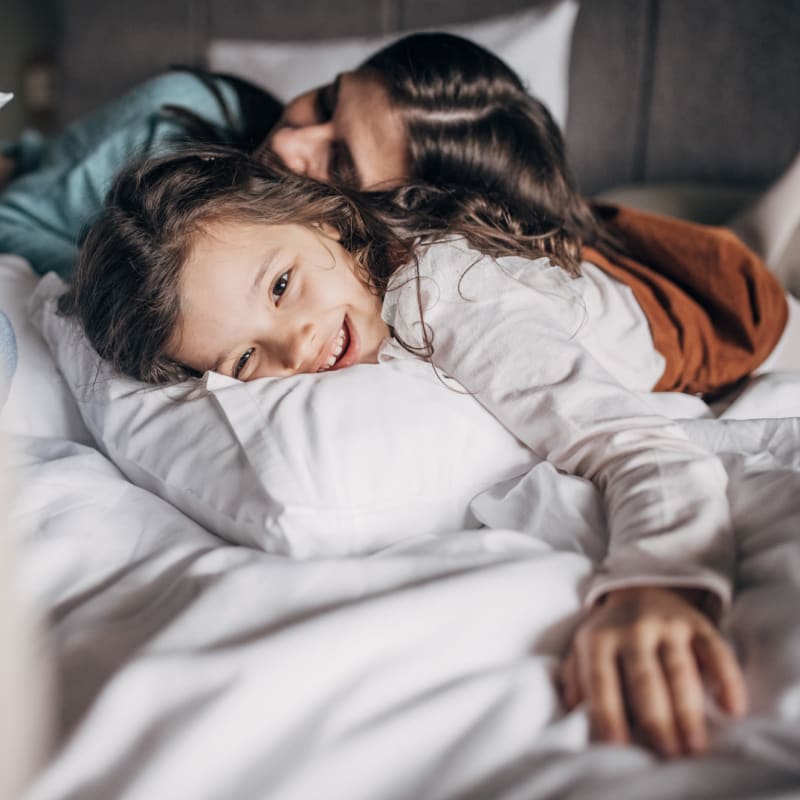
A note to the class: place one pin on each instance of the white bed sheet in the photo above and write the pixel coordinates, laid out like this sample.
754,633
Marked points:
190,668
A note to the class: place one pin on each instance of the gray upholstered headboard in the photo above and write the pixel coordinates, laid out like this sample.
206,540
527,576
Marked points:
704,90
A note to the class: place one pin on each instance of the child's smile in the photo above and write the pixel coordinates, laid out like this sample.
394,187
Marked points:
274,300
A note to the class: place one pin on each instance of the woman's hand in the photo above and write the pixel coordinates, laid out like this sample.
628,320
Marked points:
639,660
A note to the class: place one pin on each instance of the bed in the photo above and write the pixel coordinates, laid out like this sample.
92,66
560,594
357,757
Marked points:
208,630
185,666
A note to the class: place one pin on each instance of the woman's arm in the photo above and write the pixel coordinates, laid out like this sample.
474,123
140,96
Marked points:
7,169
44,210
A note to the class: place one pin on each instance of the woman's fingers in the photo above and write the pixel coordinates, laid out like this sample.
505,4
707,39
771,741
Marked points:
719,664
686,690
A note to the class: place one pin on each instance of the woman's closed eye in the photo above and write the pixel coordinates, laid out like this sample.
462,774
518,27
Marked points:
325,101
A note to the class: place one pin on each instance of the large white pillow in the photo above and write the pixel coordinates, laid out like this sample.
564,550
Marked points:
331,464
39,402
534,42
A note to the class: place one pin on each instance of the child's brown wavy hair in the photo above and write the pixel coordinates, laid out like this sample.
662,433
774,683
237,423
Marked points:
125,289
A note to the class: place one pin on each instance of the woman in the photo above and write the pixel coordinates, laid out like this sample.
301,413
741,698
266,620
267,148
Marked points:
434,108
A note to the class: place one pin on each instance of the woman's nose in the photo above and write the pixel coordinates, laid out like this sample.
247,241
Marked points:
305,149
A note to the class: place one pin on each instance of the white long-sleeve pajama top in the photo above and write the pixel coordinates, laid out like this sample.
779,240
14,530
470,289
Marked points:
559,362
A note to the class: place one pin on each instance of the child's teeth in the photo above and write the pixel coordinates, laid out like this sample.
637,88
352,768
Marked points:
338,346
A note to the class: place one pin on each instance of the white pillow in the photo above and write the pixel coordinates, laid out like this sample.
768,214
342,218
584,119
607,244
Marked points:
39,402
535,43
332,464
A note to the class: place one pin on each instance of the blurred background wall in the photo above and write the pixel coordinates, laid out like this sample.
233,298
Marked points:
29,32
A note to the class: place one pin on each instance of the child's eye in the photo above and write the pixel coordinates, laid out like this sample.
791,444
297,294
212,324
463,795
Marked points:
245,357
280,286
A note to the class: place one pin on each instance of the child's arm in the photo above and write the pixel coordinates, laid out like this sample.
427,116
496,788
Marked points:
644,654
514,343
509,341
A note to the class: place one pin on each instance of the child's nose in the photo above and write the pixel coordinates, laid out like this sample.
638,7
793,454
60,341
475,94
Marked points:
298,353
306,149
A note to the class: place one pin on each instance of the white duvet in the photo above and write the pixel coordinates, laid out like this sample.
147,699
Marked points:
189,668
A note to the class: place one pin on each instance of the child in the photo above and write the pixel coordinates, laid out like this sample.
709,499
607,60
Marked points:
208,260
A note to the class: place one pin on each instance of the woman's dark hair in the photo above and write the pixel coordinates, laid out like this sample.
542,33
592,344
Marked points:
245,127
481,147
126,284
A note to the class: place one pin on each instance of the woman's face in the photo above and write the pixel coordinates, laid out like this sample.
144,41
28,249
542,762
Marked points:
274,300
345,133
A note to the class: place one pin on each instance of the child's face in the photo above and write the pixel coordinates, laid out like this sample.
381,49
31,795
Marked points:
274,300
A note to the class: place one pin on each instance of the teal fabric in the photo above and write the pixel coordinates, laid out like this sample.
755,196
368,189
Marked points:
26,151
44,210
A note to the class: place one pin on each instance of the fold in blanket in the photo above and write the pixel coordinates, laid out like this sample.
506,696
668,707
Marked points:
714,308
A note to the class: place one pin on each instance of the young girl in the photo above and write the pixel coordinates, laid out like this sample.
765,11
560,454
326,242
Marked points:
209,260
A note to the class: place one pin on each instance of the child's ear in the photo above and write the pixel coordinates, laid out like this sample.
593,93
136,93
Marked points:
329,230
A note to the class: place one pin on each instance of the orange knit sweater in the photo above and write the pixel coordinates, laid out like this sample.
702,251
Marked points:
714,308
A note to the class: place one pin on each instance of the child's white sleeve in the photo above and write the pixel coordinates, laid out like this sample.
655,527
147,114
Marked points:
504,340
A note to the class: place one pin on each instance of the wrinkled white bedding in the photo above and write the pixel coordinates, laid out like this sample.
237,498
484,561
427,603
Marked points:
189,668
